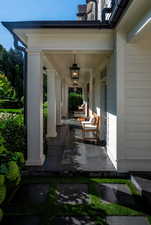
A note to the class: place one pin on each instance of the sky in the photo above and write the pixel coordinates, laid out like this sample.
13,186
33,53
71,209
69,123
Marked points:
23,10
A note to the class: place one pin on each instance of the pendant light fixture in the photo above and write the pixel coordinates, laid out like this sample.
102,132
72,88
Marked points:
75,70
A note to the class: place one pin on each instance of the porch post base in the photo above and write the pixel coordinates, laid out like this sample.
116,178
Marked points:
60,123
52,135
35,162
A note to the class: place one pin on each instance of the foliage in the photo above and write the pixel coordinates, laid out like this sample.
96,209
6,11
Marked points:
10,171
44,87
2,193
10,104
2,179
6,116
1,214
15,111
11,64
6,89
96,205
75,100
12,130
13,172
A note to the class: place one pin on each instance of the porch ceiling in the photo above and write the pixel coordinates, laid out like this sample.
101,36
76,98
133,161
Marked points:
87,61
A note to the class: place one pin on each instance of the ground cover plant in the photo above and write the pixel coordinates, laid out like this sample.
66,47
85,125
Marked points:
10,172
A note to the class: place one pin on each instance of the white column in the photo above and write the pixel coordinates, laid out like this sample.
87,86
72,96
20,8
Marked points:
51,95
58,96
85,98
66,100
35,156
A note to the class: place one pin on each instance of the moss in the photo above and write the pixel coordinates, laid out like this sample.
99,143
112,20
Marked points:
2,193
1,214
13,171
2,179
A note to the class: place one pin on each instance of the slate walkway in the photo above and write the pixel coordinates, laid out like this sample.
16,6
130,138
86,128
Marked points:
63,201
68,152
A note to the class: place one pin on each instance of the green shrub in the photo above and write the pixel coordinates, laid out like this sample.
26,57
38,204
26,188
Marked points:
6,89
1,214
12,130
2,179
8,103
2,193
13,171
75,100
19,157
10,164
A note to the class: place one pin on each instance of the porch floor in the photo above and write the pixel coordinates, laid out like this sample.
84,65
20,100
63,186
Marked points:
68,152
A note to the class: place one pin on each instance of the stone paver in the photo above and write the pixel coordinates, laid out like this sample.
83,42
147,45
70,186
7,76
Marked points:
127,220
71,220
28,196
117,193
73,194
31,193
21,220
68,152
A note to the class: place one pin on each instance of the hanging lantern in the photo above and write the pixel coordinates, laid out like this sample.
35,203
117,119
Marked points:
75,70
75,83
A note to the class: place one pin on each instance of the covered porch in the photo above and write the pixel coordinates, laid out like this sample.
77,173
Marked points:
51,52
94,56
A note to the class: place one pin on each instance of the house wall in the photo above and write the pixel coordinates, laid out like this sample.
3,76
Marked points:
137,141
111,111
108,129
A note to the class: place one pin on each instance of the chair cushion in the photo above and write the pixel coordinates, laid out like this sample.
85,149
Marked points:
89,127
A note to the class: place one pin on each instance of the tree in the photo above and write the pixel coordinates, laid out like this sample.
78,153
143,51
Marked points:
11,64
6,89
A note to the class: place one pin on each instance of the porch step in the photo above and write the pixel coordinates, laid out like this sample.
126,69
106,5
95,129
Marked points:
143,184
100,174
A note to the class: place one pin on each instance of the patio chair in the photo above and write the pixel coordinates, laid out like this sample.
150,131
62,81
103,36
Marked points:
82,107
92,128
90,121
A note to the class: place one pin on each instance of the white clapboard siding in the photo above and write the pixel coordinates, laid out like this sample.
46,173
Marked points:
138,105
111,111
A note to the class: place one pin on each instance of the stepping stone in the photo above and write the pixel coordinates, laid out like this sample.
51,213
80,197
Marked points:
27,197
127,220
71,220
73,194
117,193
21,220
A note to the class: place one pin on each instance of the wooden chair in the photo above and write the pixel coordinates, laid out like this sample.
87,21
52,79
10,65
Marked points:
91,128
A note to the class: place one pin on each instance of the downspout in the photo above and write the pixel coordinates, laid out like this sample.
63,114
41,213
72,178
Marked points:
23,49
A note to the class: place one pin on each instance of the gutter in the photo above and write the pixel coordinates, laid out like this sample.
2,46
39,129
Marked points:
118,10
96,24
